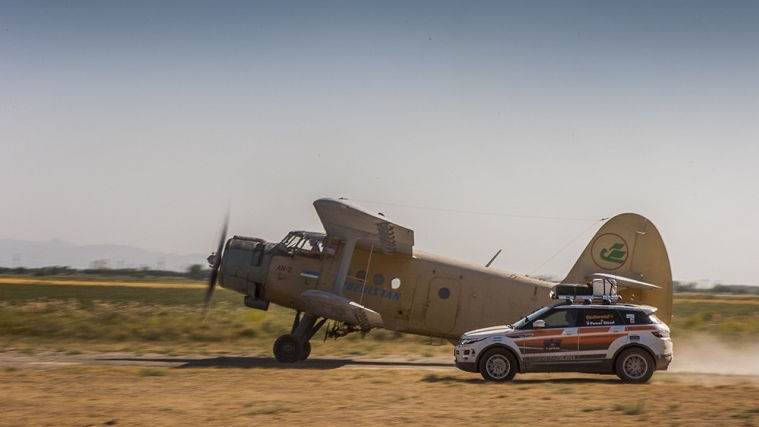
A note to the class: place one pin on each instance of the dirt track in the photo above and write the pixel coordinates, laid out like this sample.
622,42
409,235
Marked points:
122,388
52,360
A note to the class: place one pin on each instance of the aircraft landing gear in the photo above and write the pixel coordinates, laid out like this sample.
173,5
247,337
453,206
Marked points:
295,346
287,349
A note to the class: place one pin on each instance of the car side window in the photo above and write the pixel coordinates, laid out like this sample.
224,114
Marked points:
600,317
634,317
560,318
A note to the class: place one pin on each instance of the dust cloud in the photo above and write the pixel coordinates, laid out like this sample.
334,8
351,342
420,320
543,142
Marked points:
710,355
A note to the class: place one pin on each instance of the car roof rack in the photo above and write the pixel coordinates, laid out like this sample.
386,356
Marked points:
603,290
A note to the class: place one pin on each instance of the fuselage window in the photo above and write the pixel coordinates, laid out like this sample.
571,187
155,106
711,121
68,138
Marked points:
395,283
379,279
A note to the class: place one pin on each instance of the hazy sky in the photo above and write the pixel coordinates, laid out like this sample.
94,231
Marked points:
139,122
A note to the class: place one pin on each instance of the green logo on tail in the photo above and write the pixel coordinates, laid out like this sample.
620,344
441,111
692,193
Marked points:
614,254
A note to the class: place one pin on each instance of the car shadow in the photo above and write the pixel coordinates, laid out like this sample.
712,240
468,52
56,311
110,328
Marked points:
600,380
271,363
519,380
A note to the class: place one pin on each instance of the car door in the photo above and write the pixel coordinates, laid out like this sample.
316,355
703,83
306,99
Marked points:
556,342
599,328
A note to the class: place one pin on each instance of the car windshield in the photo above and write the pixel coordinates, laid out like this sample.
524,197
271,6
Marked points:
530,317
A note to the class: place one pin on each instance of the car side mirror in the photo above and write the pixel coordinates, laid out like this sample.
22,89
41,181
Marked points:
540,323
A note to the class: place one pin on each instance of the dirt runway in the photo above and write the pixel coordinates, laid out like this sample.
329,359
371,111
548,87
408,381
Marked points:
152,389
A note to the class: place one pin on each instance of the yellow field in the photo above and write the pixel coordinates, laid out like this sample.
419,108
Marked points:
45,281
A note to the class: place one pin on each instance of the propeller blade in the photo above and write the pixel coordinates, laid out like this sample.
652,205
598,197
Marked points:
216,265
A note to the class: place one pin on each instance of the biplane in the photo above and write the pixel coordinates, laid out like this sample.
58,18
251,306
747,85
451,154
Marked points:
364,272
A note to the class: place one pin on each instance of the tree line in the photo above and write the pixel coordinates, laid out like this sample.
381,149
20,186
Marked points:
717,288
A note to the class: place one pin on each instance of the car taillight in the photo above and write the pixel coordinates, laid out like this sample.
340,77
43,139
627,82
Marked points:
661,334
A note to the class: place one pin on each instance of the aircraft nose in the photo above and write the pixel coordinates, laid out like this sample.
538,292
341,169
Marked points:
244,266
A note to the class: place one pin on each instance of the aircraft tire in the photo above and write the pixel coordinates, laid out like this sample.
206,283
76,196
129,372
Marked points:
288,349
634,365
306,351
498,364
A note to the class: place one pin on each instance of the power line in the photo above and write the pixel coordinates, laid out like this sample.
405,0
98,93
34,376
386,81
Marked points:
466,212
574,239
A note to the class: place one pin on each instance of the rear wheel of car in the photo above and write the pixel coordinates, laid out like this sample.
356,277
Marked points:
634,365
498,364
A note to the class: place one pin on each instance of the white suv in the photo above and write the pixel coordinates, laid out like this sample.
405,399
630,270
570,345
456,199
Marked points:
623,339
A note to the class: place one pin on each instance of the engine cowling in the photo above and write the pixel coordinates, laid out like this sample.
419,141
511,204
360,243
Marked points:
244,267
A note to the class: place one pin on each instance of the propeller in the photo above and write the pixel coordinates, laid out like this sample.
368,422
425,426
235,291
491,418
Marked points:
216,265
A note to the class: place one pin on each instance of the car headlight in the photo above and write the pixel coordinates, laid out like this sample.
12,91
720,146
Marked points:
467,341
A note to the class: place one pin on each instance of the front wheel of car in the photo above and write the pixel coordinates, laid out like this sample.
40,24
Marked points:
498,364
634,365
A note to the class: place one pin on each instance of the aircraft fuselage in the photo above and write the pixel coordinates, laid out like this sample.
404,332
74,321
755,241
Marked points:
432,296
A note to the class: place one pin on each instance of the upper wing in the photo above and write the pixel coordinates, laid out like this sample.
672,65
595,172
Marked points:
342,218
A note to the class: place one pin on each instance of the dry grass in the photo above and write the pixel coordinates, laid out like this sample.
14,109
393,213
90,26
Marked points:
167,320
76,321
343,396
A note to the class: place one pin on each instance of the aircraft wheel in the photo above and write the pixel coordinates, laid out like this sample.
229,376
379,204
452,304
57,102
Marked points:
306,350
498,364
634,365
287,349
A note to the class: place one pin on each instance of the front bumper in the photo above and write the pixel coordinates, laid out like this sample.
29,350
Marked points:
467,366
465,358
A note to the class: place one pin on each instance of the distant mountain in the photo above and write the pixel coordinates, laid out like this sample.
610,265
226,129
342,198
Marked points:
21,253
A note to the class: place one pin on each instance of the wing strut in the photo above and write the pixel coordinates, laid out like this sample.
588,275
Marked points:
345,263
366,274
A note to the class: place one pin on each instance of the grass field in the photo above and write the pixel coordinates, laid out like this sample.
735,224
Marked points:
44,327
167,317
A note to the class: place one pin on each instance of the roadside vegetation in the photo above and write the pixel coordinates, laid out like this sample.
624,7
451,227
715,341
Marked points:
169,320
730,319
39,315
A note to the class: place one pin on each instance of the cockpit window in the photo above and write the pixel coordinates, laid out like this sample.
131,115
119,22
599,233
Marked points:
314,245
303,242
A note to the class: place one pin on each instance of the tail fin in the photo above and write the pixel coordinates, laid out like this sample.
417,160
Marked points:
630,246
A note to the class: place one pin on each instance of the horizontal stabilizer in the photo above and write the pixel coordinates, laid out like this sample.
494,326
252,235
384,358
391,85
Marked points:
337,307
624,282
